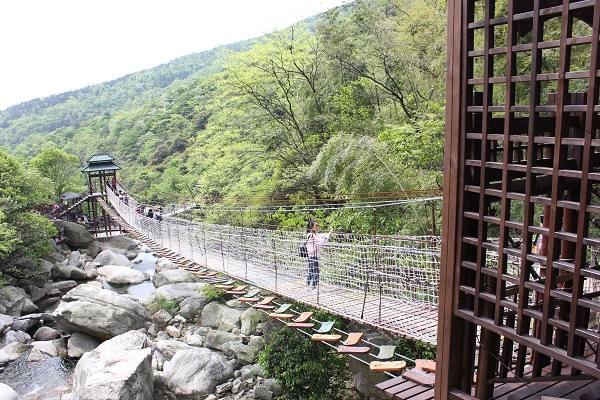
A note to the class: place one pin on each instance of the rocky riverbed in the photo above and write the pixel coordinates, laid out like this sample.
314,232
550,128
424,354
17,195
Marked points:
84,325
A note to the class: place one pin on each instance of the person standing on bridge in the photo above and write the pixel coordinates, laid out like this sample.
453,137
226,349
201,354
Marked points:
314,242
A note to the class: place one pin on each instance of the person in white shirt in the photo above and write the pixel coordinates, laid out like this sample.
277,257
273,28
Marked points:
314,242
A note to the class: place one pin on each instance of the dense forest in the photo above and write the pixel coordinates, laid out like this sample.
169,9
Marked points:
347,104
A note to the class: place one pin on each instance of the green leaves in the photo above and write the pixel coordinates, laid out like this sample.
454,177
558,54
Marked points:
24,233
61,168
306,370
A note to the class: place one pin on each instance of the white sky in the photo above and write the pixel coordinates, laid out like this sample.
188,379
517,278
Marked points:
51,46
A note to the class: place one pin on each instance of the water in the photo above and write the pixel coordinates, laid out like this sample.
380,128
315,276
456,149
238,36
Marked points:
35,380
138,290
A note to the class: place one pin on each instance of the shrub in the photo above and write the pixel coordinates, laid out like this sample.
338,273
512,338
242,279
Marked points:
415,349
213,293
306,370
162,303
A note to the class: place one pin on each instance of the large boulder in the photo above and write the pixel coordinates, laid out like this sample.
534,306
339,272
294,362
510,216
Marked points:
46,347
76,259
118,243
191,307
164,264
7,393
76,235
250,319
12,351
245,353
99,312
32,272
50,289
221,317
6,322
220,340
118,369
168,348
80,343
171,276
109,257
196,372
14,336
46,333
181,291
14,302
64,271
120,275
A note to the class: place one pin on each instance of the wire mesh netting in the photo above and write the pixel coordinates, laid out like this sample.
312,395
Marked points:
386,281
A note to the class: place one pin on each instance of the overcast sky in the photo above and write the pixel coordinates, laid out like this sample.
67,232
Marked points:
51,46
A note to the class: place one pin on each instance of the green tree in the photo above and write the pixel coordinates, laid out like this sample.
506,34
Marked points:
24,233
60,167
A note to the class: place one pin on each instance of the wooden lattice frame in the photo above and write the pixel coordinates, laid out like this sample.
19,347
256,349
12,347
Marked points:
499,299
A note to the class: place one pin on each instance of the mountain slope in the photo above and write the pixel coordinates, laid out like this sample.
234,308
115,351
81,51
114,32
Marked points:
71,109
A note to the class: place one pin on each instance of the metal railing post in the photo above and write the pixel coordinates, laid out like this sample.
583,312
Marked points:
274,261
362,311
221,245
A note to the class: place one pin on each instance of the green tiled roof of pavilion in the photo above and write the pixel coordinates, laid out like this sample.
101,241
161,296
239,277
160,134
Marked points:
101,162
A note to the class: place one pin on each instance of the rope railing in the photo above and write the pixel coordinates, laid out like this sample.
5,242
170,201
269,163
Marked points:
389,282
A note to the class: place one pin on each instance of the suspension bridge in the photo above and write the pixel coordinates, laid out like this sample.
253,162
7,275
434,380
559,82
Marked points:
388,282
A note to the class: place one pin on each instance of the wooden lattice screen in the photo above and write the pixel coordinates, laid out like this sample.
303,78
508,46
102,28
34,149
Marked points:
520,292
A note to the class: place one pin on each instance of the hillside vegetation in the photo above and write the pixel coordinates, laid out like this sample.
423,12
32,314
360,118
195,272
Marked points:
350,103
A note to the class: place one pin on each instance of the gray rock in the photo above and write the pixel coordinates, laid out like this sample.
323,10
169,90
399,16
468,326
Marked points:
75,259
173,331
262,393
27,322
168,348
14,302
181,291
121,275
251,372
46,346
63,271
99,313
80,343
219,316
164,264
131,254
6,322
37,272
50,289
76,235
161,318
245,353
14,336
36,355
12,351
218,339
196,372
7,393
250,320
237,385
109,257
118,369
94,248
191,308
118,242
273,387
173,276
225,387
46,333
193,339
